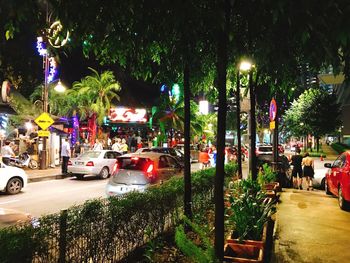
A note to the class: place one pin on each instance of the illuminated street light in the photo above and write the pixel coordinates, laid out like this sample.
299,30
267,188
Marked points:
245,66
59,87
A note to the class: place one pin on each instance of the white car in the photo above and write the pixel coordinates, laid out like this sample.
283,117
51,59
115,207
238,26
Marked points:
97,162
319,177
12,179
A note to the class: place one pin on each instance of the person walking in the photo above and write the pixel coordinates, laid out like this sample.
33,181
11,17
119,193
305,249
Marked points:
7,153
85,146
297,172
97,146
65,154
77,149
124,146
308,170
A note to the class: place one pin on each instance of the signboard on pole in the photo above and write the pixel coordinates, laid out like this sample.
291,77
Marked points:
43,133
44,121
273,110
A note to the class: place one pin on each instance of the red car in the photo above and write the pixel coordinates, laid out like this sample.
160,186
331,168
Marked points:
338,179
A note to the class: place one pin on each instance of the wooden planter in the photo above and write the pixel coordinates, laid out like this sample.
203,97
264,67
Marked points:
243,253
275,186
246,250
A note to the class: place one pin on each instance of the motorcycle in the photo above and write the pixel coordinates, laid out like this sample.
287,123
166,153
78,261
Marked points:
23,160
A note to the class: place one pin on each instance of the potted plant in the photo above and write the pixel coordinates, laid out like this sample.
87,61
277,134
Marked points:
249,212
267,178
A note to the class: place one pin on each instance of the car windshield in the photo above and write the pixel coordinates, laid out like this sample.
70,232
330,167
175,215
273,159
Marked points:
91,154
132,163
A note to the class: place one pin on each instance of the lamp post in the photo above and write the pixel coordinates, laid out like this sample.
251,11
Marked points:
244,66
52,36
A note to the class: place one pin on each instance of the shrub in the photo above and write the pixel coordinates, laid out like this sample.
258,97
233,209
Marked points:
340,147
266,175
249,210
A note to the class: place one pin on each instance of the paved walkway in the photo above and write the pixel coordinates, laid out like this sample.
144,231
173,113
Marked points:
329,152
311,228
43,175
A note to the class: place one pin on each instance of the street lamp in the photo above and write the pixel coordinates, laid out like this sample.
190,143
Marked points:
54,37
243,66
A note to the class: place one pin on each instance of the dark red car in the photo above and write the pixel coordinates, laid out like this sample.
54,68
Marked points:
338,179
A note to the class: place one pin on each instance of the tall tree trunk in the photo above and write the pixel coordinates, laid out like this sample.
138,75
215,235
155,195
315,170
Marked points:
318,144
221,68
238,112
187,168
252,157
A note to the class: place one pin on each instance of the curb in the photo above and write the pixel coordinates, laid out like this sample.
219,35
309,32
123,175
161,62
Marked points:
46,178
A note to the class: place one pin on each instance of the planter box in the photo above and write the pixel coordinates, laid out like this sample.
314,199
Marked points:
243,253
275,186
258,243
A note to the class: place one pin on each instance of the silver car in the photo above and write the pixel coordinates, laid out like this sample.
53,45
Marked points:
137,172
98,162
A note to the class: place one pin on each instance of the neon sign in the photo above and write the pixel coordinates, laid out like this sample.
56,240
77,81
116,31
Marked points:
127,115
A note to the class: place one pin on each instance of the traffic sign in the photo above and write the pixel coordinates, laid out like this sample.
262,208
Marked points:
44,121
273,110
272,125
43,133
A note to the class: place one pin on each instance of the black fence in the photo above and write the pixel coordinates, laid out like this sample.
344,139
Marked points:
105,230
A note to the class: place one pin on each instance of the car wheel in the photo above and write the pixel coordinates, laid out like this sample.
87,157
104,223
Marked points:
326,187
323,183
79,176
104,173
33,164
14,186
343,204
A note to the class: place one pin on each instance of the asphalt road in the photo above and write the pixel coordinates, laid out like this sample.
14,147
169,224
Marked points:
47,197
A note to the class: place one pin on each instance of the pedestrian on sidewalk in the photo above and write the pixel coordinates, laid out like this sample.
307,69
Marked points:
65,153
7,153
308,170
297,172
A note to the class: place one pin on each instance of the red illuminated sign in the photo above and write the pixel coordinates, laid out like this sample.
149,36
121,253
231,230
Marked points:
127,115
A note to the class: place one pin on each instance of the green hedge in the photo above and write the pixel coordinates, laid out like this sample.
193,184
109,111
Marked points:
106,230
340,147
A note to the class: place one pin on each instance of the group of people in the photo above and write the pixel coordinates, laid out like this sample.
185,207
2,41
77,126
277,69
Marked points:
207,157
303,166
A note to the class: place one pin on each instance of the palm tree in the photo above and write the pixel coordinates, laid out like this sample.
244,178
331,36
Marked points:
94,95
170,115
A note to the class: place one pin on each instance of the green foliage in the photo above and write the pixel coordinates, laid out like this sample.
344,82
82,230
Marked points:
249,210
203,253
103,229
339,147
151,246
266,175
314,112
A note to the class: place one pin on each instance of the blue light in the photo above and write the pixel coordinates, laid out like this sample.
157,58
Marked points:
41,46
163,88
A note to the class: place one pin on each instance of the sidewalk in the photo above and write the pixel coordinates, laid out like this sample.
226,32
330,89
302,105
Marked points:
43,175
329,152
310,227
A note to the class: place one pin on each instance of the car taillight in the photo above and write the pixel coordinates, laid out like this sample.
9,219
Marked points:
69,163
90,163
115,168
150,171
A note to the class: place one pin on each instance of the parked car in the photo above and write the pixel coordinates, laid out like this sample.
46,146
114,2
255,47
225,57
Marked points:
319,178
194,151
139,171
9,217
177,154
338,179
263,150
98,162
12,179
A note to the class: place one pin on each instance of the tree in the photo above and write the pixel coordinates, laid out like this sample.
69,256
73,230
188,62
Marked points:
95,94
315,112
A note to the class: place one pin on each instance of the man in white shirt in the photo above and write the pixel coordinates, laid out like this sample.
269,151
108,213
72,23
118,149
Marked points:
65,153
7,153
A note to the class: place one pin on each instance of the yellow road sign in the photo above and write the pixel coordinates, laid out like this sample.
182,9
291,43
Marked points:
43,133
44,121
272,125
